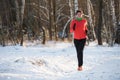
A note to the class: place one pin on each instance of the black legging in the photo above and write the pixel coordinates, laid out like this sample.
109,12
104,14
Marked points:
79,45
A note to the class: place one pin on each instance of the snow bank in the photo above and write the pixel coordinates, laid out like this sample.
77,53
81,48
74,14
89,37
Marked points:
57,61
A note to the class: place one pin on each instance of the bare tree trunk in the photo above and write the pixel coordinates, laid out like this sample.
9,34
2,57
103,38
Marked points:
117,10
106,21
22,7
19,7
17,12
71,5
109,21
76,5
3,22
113,21
99,29
54,18
50,21
40,24
91,19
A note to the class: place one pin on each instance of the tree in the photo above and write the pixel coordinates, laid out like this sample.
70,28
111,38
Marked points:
110,21
99,29
43,20
117,13
21,15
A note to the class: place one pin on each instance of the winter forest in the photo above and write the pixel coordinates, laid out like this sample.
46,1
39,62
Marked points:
36,43
44,20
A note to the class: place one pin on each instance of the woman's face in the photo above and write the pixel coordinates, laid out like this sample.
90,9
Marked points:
79,14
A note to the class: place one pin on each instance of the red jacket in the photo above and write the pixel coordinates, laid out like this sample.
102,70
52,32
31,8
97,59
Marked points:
79,28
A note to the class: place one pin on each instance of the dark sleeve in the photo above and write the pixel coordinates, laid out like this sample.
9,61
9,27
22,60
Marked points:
74,26
86,31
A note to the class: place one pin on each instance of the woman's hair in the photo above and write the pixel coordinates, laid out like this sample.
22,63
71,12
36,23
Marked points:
79,11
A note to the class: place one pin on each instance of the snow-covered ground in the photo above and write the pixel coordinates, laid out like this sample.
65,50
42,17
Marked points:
58,61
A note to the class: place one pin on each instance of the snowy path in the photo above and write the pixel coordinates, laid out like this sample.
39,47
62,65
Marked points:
58,62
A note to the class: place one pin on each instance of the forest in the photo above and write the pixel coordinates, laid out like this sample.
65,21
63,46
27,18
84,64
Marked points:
44,20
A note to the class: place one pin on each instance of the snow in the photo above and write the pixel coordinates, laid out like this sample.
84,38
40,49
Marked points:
58,61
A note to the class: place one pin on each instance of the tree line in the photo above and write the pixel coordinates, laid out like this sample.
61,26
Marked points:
44,20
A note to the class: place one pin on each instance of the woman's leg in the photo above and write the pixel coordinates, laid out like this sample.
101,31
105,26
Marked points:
79,45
